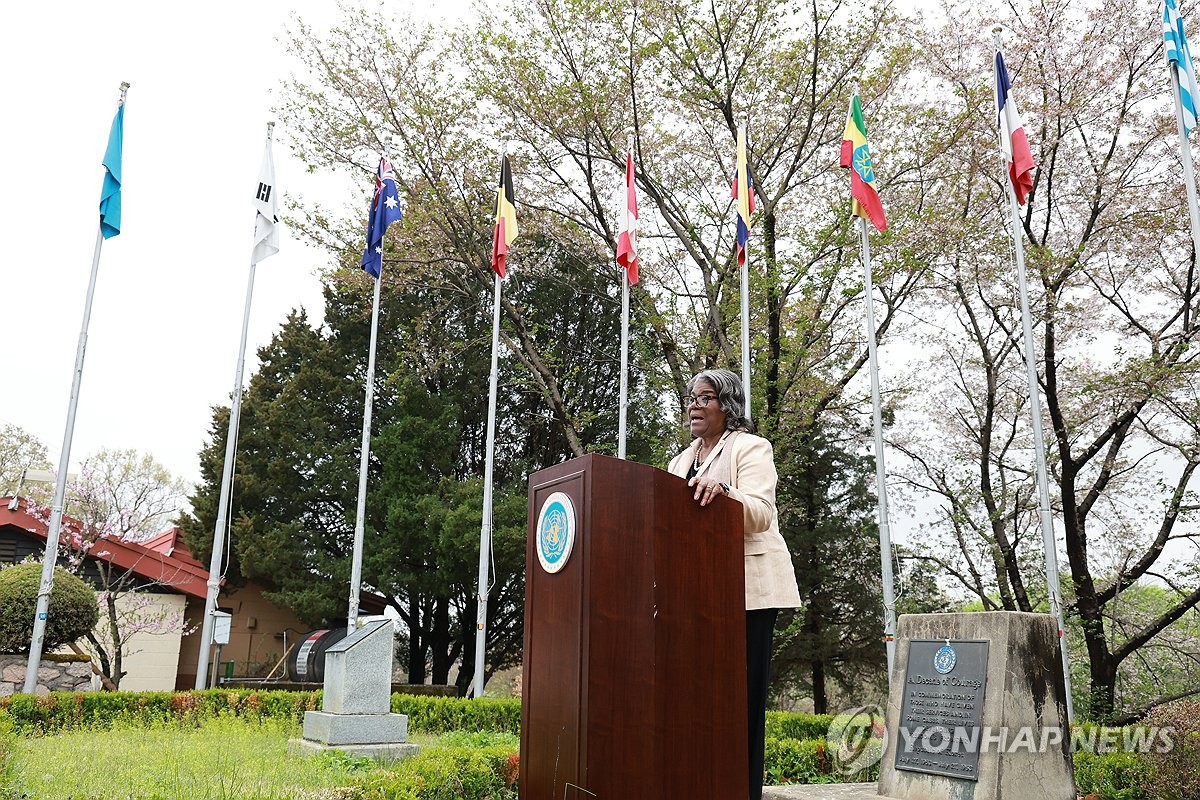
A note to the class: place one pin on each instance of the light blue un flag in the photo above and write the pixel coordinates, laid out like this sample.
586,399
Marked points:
110,193
1180,57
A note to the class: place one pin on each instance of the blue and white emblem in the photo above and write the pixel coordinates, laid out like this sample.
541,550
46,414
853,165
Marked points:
944,659
555,532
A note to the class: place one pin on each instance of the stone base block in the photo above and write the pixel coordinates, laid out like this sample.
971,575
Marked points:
353,729
393,751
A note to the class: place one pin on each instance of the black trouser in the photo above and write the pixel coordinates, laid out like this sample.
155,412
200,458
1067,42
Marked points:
760,628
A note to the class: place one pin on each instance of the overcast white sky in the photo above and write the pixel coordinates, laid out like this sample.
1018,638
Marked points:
167,313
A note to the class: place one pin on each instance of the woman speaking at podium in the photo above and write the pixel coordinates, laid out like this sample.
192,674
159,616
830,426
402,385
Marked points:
726,458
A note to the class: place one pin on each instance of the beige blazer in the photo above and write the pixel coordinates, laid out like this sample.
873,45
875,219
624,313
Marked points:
747,463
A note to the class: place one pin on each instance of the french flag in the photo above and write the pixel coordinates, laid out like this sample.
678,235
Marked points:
1012,135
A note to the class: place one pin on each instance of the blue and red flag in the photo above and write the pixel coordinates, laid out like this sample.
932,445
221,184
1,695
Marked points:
743,193
1013,142
385,209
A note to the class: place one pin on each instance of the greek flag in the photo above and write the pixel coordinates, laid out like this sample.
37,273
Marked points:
1179,56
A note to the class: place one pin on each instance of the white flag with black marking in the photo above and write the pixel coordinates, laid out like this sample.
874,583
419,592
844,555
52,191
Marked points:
266,203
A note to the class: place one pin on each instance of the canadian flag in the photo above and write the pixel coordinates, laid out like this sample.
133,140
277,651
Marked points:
627,238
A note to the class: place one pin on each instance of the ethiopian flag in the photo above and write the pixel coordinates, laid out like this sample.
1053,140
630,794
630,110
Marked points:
857,156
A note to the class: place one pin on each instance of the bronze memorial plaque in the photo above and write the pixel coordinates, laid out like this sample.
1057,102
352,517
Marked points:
942,707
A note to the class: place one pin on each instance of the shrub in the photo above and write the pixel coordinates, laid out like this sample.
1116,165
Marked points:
64,710
797,761
73,611
442,714
447,773
782,725
1112,776
1175,774
8,741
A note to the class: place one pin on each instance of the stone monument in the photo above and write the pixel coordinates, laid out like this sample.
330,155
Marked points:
977,710
355,715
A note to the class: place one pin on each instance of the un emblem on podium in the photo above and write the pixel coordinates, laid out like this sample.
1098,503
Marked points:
555,532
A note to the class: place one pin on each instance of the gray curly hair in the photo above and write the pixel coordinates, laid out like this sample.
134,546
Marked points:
731,396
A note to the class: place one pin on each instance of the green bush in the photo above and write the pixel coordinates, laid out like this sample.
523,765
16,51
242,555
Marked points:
65,710
1112,776
783,725
73,611
1175,770
797,761
448,773
8,740
442,714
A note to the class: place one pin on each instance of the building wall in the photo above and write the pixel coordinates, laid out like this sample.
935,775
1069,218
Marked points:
151,657
258,632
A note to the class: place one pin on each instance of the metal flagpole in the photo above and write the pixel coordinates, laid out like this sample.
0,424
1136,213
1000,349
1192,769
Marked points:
364,459
219,531
623,403
222,527
1053,587
745,276
50,558
1185,158
485,531
885,536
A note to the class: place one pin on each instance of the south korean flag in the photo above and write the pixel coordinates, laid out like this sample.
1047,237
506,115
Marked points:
266,203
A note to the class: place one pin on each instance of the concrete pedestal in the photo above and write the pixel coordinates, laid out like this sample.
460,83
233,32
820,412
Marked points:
1025,742
355,713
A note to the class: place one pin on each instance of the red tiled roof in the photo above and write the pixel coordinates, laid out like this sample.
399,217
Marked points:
161,559
169,543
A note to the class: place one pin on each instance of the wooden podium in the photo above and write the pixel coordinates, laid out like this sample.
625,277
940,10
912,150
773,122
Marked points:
634,680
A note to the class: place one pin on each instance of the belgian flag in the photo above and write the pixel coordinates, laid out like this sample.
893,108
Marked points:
506,219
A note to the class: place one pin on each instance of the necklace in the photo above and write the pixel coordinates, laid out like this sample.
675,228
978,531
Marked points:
698,461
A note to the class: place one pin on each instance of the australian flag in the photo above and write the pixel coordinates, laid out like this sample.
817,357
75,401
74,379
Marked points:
385,209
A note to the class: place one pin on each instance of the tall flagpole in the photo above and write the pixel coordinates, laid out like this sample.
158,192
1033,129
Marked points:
623,403
745,279
363,461
1053,586
50,558
885,536
221,529
485,530
503,236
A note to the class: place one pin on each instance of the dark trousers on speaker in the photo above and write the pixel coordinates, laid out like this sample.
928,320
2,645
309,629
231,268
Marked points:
760,629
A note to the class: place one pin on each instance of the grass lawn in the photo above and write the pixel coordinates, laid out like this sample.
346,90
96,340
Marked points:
223,758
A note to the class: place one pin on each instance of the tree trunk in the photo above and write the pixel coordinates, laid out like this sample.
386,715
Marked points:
416,644
774,321
440,641
114,633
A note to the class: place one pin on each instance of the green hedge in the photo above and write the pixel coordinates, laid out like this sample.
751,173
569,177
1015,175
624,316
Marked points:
442,714
59,710
782,725
1112,776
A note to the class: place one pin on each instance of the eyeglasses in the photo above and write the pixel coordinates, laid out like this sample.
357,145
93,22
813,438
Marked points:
700,400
